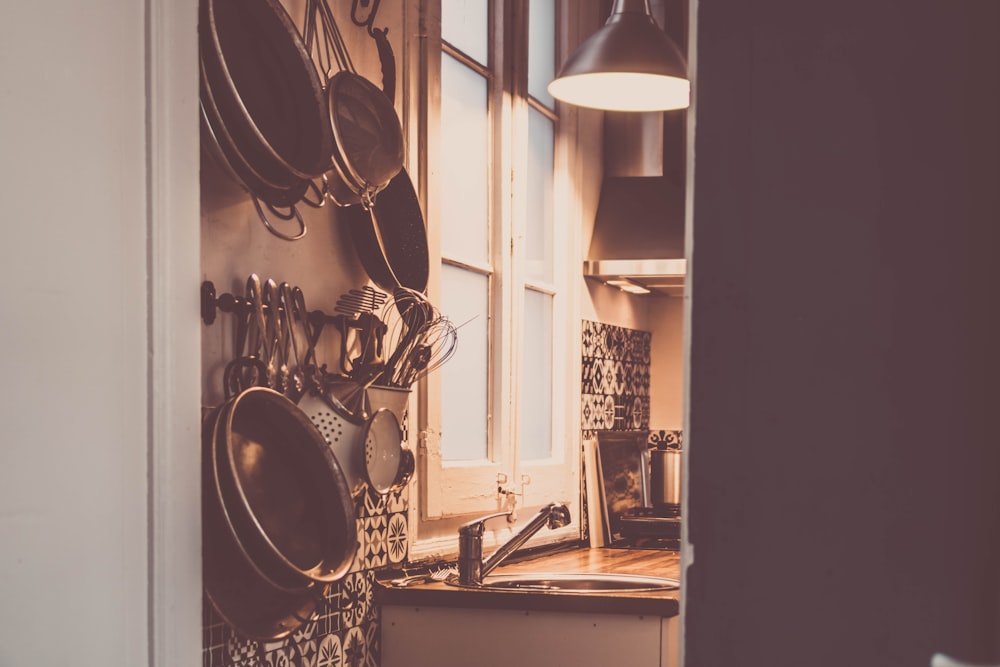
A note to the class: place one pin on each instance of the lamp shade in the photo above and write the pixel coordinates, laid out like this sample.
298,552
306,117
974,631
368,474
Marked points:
630,64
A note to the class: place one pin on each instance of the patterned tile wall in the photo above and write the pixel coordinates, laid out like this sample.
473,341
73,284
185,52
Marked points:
671,439
346,631
615,382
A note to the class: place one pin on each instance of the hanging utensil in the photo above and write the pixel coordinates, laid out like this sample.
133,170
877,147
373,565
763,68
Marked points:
390,236
241,592
297,381
406,315
266,106
367,299
276,196
275,315
368,137
362,340
262,345
381,37
286,494
266,85
385,465
436,343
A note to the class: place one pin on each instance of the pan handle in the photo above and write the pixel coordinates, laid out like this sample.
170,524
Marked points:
294,213
319,200
242,373
387,61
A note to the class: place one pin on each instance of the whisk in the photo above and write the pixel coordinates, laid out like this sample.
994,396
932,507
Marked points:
435,344
419,337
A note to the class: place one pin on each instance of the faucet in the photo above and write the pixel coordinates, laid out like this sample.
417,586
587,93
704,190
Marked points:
472,569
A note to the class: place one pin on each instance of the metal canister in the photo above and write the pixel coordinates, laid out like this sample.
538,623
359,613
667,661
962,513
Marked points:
665,478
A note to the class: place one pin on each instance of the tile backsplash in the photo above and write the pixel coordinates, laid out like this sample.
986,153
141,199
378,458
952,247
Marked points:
615,381
346,630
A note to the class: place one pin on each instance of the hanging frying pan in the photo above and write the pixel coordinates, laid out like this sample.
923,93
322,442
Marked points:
275,192
390,237
227,158
241,593
286,493
266,87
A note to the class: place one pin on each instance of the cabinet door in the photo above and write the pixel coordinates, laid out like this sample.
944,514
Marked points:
436,637
670,655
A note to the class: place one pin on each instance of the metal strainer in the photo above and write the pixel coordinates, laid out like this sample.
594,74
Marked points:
341,433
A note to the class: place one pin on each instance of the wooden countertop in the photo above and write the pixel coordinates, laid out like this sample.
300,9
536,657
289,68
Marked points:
582,560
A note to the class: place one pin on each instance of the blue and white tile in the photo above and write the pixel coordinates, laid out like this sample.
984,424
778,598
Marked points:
397,538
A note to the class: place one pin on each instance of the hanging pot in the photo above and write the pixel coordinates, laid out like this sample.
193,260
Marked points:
226,154
269,181
266,86
286,493
243,595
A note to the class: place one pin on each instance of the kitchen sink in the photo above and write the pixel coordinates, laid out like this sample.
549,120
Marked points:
576,582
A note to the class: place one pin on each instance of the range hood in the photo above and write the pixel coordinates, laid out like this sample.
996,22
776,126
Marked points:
638,240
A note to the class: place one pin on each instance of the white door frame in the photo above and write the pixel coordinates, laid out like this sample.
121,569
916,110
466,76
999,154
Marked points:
174,392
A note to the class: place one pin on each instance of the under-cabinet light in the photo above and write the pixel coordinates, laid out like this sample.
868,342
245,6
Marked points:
628,286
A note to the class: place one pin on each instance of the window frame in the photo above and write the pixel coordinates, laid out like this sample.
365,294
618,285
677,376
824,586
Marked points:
433,518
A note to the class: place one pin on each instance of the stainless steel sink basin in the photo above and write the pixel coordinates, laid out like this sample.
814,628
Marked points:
578,582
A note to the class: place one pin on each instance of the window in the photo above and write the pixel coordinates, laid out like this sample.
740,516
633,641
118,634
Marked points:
503,411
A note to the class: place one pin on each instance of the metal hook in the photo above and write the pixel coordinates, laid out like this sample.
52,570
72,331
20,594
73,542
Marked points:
370,21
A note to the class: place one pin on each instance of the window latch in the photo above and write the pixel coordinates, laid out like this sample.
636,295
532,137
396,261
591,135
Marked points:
507,496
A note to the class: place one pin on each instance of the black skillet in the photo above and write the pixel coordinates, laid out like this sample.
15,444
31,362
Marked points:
241,593
390,237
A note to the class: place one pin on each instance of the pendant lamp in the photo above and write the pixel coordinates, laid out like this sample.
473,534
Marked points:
630,64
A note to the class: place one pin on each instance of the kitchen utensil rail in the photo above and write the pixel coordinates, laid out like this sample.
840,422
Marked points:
212,303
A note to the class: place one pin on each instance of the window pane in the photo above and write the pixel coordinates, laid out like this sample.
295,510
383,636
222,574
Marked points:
539,223
465,378
541,49
465,25
535,387
464,163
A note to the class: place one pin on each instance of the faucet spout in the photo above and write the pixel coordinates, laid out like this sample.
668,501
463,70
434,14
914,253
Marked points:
472,569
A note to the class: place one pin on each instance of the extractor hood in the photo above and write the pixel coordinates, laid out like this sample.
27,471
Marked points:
638,240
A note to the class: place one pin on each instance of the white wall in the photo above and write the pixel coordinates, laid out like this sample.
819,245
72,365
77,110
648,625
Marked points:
666,382
82,333
843,497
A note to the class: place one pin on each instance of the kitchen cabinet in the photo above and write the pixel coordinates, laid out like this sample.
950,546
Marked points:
438,624
445,637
